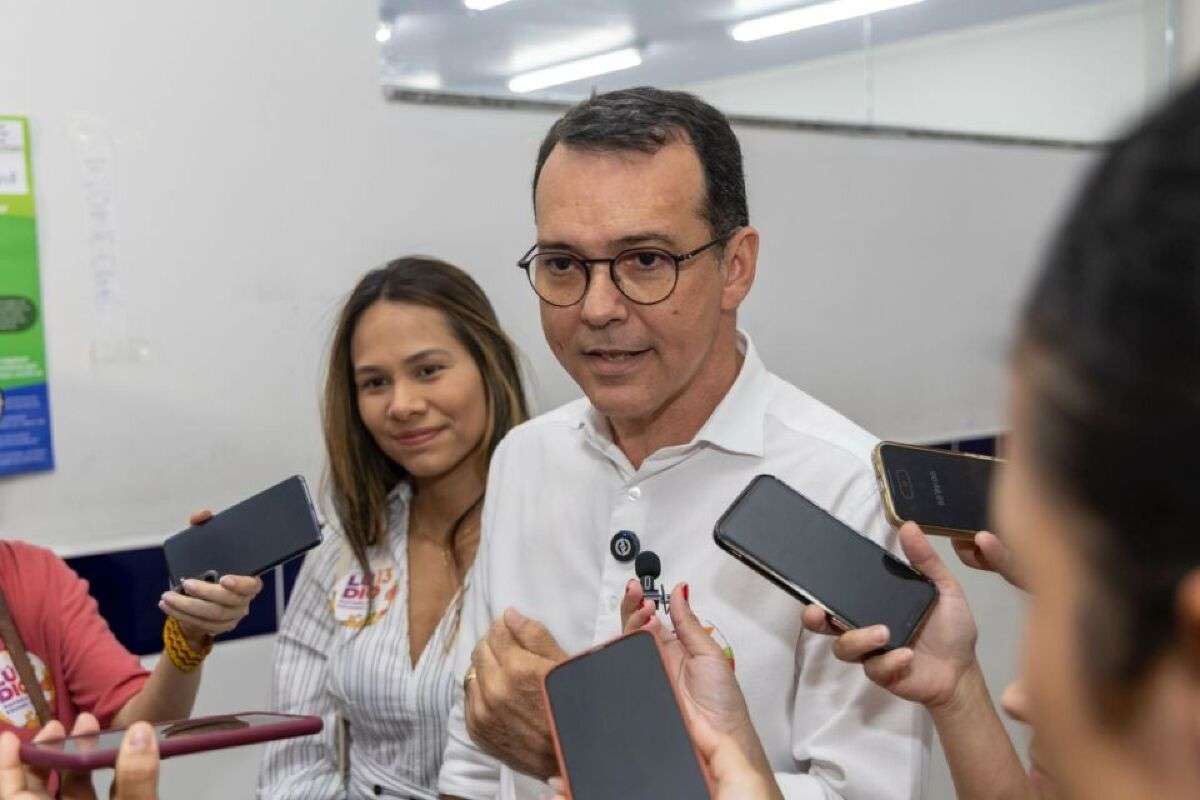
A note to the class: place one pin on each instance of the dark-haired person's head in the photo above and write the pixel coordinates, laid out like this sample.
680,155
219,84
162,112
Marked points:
654,180
1101,499
421,381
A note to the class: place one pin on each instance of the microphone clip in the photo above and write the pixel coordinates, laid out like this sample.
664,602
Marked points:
648,569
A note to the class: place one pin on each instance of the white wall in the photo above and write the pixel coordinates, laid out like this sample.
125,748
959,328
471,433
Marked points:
1076,74
254,173
1188,38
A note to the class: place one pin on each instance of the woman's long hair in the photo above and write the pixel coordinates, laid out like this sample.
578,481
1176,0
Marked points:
360,475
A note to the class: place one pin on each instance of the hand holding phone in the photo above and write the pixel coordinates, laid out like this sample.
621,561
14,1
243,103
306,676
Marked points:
930,669
617,726
944,492
249,538
90,751
709,694
813,556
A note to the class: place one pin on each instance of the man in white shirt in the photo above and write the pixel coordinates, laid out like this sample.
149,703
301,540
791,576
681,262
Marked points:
644,253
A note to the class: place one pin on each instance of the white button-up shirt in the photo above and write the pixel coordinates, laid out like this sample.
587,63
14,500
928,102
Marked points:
560,488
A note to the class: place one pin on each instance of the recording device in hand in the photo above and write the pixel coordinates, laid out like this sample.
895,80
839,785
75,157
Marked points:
816,558
90,751
942,491
617,727
249,538
648,569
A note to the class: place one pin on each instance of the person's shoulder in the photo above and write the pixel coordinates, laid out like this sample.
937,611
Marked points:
27,558
548,428
792,412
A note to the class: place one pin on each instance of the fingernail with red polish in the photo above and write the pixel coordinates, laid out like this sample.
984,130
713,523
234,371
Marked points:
685,593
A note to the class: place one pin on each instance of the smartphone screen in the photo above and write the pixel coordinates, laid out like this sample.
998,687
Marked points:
111,740
814,556
619,728
937,488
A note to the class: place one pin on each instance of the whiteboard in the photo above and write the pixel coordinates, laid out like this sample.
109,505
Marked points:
246,201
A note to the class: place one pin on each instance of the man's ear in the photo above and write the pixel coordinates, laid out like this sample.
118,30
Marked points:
741,264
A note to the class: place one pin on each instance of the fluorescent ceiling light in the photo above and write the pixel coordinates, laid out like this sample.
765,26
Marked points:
483,5
383,33
811,16
576,70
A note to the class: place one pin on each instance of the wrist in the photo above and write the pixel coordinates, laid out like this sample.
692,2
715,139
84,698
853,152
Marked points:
185,654
746,738
970,690
196,638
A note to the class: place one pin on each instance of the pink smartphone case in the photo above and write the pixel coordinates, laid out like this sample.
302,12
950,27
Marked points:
284,726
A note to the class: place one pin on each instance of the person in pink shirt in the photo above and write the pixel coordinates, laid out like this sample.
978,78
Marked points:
78,663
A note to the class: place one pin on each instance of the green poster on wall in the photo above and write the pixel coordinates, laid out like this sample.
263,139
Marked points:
25,443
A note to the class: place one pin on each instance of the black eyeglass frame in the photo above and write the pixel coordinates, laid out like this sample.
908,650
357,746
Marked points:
678,258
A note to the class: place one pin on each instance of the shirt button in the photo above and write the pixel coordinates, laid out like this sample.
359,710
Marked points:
635,493
613,602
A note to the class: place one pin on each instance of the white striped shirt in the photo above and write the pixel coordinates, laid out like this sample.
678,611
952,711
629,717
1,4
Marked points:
327,663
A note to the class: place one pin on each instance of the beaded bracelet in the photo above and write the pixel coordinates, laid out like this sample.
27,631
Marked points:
177,648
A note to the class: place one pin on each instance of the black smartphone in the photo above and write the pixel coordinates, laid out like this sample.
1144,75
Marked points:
815,557
617,727
259,533
942,491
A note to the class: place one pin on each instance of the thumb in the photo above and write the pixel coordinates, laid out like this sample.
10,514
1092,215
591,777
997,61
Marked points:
532,635
691,633
137,764
922,556
631,601
200,517
998,557
12,776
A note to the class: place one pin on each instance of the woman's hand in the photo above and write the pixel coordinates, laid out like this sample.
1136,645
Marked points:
930,670
713,705
210,609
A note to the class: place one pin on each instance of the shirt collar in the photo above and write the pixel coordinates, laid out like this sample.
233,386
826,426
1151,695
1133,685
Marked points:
737,423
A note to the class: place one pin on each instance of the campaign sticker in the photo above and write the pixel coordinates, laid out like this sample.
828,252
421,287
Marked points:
16,707
353,593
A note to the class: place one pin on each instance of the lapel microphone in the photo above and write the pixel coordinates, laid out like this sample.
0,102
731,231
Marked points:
648,569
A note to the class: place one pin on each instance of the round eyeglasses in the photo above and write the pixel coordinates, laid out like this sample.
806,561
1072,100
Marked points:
646,275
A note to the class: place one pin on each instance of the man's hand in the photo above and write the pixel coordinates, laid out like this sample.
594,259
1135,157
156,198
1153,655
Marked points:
506,715
931,669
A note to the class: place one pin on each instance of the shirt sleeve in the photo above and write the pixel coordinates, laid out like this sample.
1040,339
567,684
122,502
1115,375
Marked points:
852,739
305,768
98,673
467,771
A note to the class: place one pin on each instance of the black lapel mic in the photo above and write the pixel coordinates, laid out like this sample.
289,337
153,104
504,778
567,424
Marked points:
648,569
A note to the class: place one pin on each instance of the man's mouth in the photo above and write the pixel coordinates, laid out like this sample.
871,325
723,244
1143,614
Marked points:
607,354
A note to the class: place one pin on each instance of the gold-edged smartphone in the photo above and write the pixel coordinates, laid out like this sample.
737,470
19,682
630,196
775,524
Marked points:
945,492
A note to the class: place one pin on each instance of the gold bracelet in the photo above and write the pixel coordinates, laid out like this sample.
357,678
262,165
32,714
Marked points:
179,650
